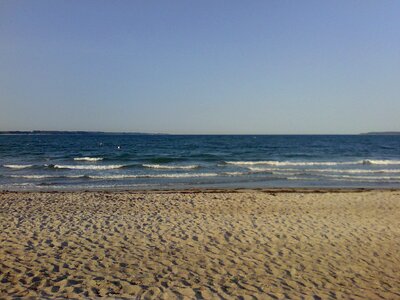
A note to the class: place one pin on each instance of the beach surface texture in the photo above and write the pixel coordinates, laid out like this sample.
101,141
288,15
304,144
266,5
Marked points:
200,244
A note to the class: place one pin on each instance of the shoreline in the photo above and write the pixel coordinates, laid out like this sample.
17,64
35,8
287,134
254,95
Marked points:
211,190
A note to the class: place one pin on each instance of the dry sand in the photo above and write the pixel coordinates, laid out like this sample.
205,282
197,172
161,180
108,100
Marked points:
204,245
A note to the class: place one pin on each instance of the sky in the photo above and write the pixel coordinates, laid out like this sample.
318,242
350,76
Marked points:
194,67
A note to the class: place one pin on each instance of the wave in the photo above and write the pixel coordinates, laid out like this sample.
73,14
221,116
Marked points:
288,173
235,173
170,167
315,163
46,176
249,173
88,167
283,163
258,169
18,166
127,176
344,171
352,179
353,171
381,162
364,177
87,158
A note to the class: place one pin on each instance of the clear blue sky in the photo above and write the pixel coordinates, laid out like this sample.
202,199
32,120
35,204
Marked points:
200,66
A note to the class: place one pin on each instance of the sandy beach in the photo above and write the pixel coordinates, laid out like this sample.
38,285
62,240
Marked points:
201,244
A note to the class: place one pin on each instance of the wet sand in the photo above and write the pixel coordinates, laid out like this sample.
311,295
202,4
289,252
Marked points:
203,244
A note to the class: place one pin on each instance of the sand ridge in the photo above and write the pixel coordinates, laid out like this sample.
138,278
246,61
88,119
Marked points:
241,245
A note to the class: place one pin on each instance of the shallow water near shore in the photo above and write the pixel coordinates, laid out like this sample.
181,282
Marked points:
121,161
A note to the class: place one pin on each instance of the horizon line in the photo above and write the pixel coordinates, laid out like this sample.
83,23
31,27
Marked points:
165,133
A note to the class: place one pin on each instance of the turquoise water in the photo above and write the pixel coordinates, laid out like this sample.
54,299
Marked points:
118,161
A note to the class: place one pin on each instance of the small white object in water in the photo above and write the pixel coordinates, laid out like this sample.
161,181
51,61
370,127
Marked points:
119,147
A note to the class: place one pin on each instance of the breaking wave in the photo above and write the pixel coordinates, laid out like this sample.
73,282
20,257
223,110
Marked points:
45,176
380,162
88,167
127,176
315,163
18,166
235,173
344,171
170,167
364,177
87,158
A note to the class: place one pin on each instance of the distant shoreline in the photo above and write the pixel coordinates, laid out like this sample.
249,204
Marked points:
81,132
382,133
46,132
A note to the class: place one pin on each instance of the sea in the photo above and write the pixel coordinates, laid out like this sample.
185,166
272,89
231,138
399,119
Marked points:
140,162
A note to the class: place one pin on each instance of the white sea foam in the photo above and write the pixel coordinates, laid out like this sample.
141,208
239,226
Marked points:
351,178
88,167
272,170
353,171
380,162
87,158
344,171
366,180
315,163
287,163
33,176
127,176
287,173
112,176
244,163
234,173
260,169
17,166
182,175
170,167
364,177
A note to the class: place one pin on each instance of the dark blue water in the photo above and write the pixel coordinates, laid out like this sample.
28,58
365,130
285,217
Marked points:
111,161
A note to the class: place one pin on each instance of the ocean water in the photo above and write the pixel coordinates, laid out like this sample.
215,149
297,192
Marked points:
118,161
